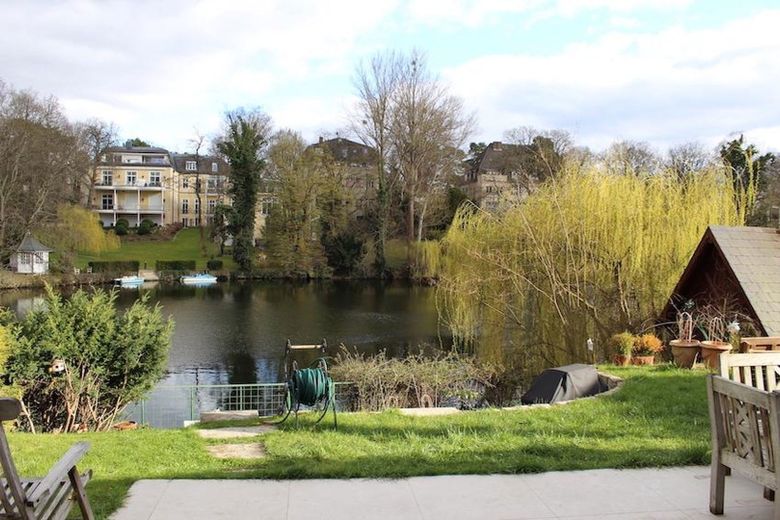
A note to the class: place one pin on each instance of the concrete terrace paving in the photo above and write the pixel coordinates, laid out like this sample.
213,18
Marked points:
655,494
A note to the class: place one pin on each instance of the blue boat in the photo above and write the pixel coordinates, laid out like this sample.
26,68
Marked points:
129,281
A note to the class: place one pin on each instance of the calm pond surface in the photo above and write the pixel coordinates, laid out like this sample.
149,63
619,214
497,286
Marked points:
236,332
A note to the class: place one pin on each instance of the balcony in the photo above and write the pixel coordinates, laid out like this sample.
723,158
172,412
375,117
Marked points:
143,186
129,208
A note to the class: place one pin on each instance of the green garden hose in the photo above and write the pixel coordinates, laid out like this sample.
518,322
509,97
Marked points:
309,387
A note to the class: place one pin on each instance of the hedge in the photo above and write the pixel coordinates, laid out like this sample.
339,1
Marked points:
175,265
114,266
214,265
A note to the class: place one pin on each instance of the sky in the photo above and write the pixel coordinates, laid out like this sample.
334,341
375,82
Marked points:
660,71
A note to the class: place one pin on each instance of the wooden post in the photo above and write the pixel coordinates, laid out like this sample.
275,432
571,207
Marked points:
717,469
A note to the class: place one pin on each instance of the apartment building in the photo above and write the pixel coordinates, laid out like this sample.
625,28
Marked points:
495,173
360,162
202,175
142,182
134,183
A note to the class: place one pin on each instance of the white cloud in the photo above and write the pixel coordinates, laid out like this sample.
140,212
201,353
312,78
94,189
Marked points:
665,87
158,68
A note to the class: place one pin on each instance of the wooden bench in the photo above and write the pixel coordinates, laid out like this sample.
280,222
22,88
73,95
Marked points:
760,369
745,436
50,497
759,344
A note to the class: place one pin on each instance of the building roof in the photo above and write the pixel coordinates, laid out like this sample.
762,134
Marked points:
752,255
30,244
136,149
204,163
346,150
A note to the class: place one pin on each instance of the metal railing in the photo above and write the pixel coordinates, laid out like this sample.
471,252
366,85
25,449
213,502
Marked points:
170,406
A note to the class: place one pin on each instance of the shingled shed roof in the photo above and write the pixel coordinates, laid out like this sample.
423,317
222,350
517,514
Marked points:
751,256
30,244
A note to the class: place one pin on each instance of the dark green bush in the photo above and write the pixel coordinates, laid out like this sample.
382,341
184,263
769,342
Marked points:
214,264
122,222
146,227
115,266
174,265
121,229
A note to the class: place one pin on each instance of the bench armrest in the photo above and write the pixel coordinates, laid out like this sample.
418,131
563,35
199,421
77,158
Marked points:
58,472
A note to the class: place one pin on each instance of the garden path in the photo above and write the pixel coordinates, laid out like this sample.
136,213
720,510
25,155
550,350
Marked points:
662,494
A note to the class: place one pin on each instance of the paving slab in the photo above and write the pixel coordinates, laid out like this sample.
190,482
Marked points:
253,450
652,494
236,431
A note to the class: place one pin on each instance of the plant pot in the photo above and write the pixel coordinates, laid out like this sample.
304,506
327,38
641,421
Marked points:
711,351
642,360
621,360
685,352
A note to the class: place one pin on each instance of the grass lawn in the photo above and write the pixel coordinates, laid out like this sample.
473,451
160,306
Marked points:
658,418
184,246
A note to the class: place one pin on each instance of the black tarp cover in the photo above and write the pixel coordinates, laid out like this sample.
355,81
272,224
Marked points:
563,384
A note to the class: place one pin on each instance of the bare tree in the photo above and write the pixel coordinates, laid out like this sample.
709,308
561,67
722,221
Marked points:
688,158
631,158
95,135
375,84
197,142
427,128
39,158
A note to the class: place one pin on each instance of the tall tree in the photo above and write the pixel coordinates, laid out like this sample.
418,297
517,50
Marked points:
375,84
95,135
242,143
427,128
748,167
40,159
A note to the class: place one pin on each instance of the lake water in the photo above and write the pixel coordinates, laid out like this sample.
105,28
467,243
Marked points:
235,332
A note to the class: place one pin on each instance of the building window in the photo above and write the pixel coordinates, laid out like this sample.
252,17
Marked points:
212,205
185,222
191,166
197,206
108,178
154,178
265,208
25,258
107,201
214,167
185,206
211,184
131,178
185,183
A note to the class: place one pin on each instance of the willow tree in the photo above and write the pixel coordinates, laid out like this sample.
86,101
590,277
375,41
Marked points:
588,254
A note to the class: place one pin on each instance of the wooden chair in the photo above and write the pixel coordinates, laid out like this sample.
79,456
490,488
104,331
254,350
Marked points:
745,437
46,498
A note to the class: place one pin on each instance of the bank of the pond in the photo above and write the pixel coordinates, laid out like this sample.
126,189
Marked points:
658,418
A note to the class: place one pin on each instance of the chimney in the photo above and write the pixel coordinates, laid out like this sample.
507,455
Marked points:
496,145
321,139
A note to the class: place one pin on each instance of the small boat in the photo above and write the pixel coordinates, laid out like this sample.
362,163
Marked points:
129,281
199,279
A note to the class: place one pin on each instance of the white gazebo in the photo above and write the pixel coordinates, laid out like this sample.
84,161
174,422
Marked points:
31,257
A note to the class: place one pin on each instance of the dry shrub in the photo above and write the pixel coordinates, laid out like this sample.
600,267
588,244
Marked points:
381,382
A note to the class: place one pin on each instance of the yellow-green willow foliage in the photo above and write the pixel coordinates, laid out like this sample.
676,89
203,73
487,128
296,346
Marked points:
586,255
78,229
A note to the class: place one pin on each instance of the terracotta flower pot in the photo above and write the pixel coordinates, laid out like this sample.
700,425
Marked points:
642,360
685,352
711,351
621,360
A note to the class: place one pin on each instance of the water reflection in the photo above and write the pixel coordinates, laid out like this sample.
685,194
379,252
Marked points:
236,332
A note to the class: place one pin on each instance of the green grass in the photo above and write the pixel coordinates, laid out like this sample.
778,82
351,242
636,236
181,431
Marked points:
659,418
185,245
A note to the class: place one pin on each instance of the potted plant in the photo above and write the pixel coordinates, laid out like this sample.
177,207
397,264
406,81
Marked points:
622,344
685,348
716,343
646,347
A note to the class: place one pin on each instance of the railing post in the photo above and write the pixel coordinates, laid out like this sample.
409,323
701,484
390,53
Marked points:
143,412
241,397
192,403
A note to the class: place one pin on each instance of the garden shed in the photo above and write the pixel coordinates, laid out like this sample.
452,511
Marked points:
734,268
31,257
